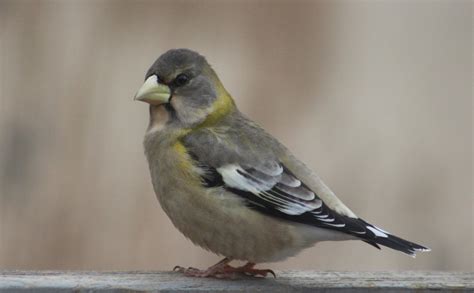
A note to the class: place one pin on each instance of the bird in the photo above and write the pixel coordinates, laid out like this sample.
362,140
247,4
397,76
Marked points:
227,184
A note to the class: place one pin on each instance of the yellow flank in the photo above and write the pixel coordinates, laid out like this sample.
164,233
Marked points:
179,148
183,156
184,161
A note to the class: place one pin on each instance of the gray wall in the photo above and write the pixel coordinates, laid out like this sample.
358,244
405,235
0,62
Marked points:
374,95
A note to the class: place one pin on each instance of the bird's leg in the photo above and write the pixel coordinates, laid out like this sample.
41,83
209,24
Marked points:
248,269
220,270
223,270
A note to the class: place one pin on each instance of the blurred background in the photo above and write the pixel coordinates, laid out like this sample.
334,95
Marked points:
376,96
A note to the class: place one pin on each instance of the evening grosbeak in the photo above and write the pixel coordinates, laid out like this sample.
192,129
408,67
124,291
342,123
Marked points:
229,186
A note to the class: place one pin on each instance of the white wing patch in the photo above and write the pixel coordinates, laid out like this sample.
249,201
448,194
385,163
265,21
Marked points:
276,188
271,184
232,176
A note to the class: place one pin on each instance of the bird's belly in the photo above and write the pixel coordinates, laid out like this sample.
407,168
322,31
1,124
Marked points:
221,223
218,220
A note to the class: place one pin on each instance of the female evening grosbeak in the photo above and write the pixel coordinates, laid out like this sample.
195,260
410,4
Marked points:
228,185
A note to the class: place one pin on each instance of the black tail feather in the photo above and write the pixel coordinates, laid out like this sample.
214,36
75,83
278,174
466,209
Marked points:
400,244
372,243
378,236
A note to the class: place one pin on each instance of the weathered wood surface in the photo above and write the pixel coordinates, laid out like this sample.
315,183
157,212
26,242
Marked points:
288,281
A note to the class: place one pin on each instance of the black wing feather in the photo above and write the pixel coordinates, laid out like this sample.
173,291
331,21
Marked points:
322,216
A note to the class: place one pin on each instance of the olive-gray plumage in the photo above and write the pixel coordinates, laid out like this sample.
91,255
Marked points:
228,185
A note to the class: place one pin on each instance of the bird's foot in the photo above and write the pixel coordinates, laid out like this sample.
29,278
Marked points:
219,273
249,270
222,270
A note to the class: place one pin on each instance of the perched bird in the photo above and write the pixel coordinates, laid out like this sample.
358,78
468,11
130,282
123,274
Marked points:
229,186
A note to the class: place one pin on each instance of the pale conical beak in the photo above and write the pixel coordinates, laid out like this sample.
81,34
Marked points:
152,92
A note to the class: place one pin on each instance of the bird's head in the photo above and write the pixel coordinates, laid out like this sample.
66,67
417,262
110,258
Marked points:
183,84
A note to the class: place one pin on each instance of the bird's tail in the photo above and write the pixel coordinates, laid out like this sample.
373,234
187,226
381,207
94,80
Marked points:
380,237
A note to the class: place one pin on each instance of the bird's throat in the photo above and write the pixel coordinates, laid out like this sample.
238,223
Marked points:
159,116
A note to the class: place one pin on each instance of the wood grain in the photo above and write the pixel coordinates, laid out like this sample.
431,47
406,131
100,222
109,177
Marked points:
286,281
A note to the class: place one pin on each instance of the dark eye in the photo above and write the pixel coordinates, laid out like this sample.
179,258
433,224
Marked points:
181,79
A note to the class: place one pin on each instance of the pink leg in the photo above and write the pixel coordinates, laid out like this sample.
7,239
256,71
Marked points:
223,270
220,270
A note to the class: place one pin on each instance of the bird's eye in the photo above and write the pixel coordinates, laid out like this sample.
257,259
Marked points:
181,79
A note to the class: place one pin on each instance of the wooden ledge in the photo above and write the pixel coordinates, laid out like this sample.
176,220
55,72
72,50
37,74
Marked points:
286,281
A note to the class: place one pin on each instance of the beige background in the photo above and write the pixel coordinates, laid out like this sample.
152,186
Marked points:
376,96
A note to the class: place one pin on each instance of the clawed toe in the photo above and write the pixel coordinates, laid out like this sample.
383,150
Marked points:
249,270
222,270
178,269
181,269
220,273
259,273
191,272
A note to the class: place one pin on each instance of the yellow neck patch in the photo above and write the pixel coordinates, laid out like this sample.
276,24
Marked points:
222,106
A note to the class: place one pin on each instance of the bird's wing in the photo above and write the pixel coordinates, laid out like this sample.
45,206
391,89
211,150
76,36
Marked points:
276,191
316,184
272,181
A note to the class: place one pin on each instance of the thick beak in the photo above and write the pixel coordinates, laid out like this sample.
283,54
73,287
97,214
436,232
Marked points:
153,92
